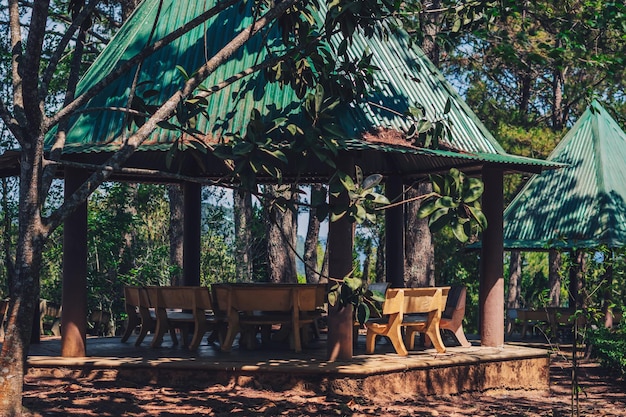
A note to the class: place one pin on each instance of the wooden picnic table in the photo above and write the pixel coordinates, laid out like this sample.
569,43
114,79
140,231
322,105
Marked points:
253,307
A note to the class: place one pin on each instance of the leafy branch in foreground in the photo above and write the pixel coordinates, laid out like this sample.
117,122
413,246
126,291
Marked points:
455,204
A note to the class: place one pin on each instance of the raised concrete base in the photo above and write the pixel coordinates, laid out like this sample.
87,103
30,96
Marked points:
423,372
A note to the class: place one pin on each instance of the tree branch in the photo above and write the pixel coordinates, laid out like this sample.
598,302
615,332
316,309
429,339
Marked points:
65,40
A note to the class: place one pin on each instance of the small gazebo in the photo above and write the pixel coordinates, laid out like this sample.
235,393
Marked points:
582,205
407,78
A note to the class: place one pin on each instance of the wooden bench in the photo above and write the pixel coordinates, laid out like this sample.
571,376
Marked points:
252,307
423,308
546,318
186,308
399,306
140,311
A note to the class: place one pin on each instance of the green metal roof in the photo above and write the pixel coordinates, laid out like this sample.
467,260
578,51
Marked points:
583,205
406,78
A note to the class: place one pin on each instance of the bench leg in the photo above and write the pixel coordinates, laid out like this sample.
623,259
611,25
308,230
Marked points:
133,322
233,329
460,336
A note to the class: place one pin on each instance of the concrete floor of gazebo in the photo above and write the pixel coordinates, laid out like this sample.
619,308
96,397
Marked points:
423,371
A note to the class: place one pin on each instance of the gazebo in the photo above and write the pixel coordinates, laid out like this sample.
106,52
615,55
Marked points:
406,78
582,205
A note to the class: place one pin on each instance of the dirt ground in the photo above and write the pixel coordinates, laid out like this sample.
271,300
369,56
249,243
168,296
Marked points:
600,395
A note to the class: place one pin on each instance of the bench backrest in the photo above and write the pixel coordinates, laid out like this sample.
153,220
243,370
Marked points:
454,300
394,301
268,298
182,297
131,298
310,297
422,300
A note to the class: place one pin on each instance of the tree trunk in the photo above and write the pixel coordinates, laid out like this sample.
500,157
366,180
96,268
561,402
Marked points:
128,6
380,257
515,284
312,238
242,206
430,26
557,95
515,280
25,287
524,103
554,260
175,194
419,268
281,239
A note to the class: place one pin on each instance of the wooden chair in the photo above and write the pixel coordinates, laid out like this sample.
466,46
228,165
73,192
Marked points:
454,312
422,313
389,325
172,306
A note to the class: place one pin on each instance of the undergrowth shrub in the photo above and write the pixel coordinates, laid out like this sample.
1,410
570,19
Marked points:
609,347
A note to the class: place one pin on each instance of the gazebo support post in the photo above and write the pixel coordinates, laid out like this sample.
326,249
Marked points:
491,261
74,316
192,226
394,233
340,244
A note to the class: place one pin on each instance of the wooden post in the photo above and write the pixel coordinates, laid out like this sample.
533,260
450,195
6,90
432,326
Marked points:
340,243
74,314
192,226
394,234
491,261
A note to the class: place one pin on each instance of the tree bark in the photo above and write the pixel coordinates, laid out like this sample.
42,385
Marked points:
557,95
175,194
25,287
515,280
242,206
419,270
515,284
128,6
554,277
281,239
380,257
312,238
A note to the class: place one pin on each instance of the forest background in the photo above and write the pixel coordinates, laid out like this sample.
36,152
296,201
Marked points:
528,70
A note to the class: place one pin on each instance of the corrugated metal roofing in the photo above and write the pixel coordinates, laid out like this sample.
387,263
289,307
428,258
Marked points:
583,205
406,78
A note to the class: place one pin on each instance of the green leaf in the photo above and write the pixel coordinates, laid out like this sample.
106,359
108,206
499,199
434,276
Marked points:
460,232
448,106
438,183
447,202
362,313
441,220
473,191
353,283
479,216
346,180
332,296
426,209
371,181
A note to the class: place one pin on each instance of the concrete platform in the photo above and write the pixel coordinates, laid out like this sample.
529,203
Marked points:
422,372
